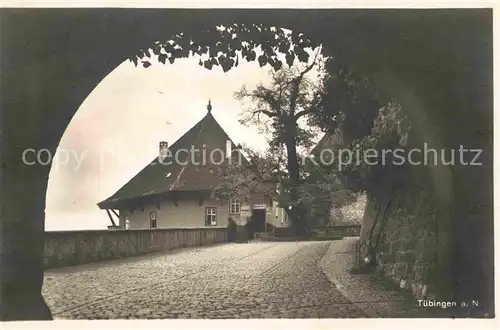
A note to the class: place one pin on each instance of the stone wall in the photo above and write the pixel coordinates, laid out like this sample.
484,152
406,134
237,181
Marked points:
405,236
336,232
65,248
353,213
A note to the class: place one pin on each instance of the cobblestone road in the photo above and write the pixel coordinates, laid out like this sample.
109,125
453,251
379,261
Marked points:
254,280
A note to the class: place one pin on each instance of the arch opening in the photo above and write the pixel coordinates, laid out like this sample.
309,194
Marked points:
421,74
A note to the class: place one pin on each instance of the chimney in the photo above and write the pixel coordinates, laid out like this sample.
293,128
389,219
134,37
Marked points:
228,149
163,151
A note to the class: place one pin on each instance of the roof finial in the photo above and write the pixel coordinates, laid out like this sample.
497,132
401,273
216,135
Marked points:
209,106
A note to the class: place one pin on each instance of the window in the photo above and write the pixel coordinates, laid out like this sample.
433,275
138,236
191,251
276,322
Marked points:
127,223
234,206
210,216
152,219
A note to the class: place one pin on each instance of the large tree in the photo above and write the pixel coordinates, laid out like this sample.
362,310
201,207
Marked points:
282,172
254,173
291,96
350,102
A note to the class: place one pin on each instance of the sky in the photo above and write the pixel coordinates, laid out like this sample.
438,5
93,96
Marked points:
116,131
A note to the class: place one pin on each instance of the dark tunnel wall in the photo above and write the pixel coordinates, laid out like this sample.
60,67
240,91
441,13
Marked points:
438,62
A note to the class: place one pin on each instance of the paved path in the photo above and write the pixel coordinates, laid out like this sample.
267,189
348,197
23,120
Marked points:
371,296
254,280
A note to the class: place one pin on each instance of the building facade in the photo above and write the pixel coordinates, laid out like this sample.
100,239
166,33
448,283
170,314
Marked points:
191,214
175,189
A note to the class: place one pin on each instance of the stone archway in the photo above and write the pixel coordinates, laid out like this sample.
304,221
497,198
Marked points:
438,62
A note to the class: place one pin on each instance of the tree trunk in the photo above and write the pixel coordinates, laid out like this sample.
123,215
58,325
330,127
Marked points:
297,213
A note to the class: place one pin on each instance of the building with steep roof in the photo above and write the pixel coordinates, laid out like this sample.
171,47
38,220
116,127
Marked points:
325,152
329,141
175,189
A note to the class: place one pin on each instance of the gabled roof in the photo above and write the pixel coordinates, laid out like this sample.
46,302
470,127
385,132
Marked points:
328,141
182,175
332,141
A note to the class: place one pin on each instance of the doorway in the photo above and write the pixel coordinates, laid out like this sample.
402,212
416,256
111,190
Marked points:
257,223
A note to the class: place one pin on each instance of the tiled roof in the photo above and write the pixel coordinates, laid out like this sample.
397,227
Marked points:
157,178
328,141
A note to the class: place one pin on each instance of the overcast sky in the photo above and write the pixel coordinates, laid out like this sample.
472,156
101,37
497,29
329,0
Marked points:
116,131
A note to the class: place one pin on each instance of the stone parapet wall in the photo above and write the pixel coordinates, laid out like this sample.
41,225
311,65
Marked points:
66,248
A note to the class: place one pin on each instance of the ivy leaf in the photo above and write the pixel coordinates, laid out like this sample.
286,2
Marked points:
227,65
302,55
269,52
162,58
244,51
262,60
183,52
168,48
208,65
146,64
284,47
251,56
289,58
278,65
272,61
236,44
214,62
134,59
